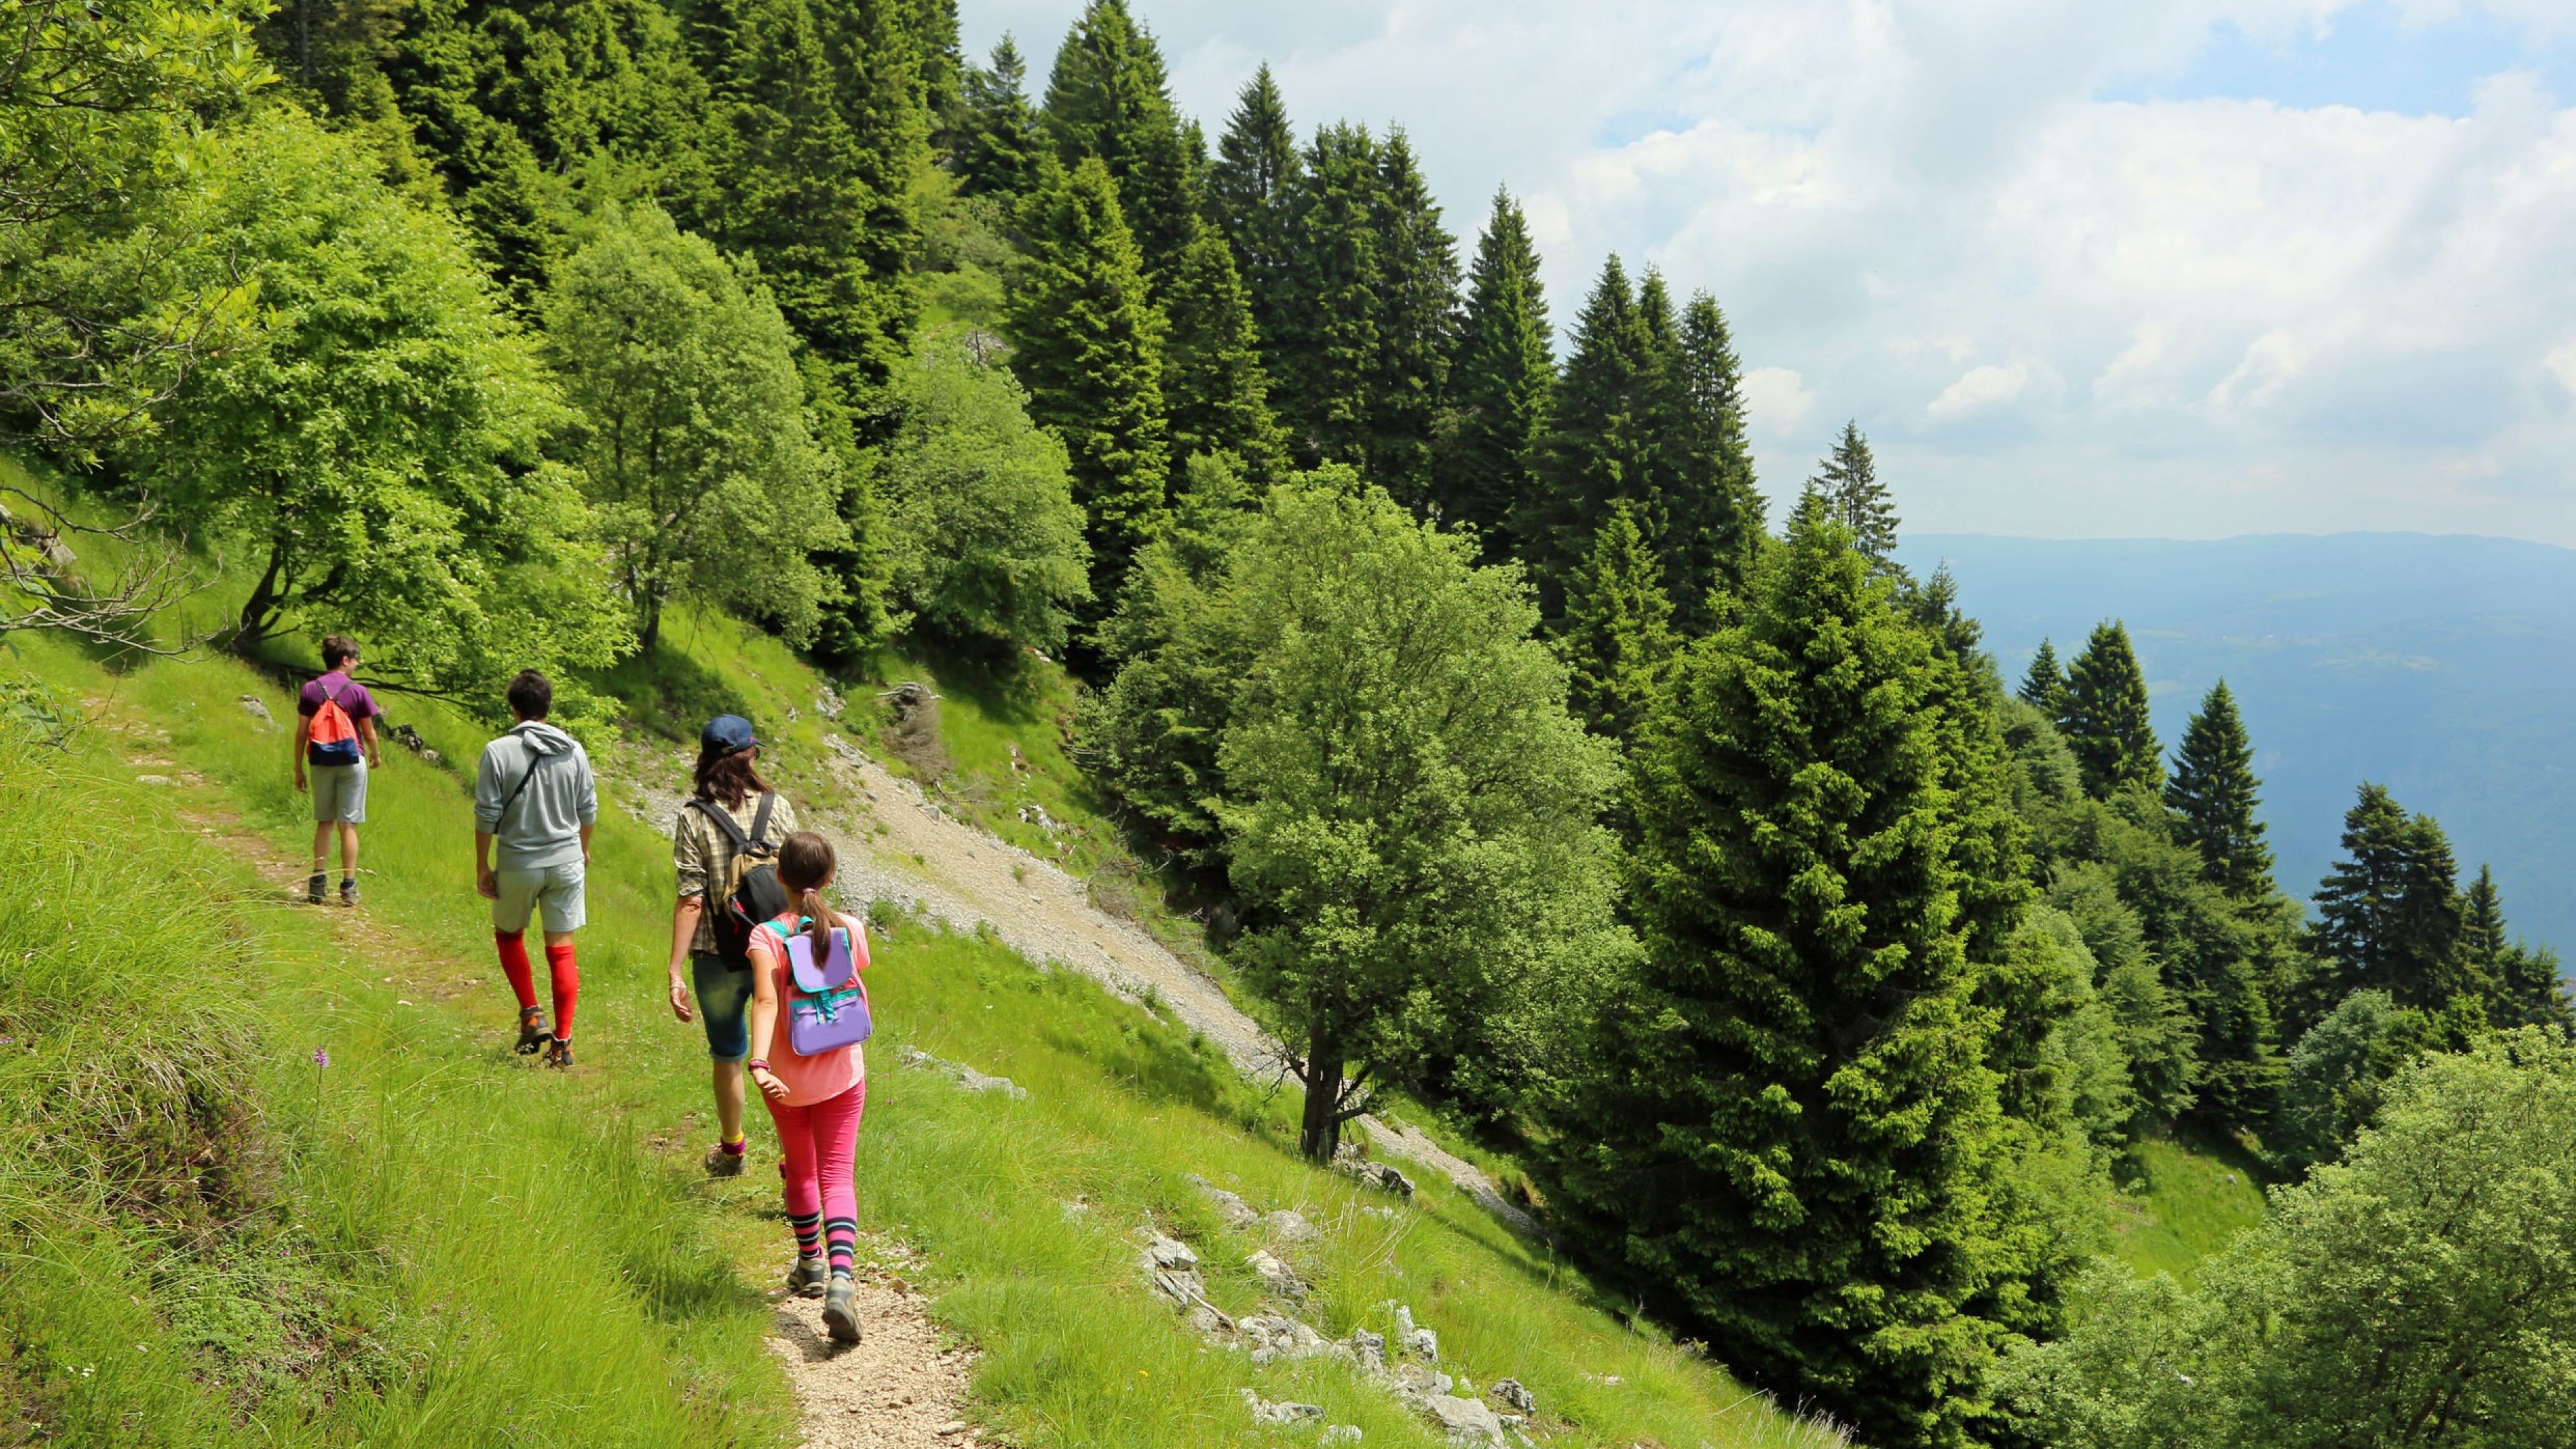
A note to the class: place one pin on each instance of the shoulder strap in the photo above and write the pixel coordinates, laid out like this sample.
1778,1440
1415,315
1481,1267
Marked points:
760,821
327,693
513,797
723,821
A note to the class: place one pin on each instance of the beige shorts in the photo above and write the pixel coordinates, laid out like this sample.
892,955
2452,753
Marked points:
551,893
339,793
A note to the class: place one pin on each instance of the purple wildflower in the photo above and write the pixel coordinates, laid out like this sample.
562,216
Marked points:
321,1056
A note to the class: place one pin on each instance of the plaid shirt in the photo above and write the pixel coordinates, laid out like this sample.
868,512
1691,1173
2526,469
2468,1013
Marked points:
704,854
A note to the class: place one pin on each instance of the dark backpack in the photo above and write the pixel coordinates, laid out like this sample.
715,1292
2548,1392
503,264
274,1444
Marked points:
751,894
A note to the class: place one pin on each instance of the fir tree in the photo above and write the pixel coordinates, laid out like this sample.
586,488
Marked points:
1108,97
1327,348
1499,383
2432,926
1847,480
1091,353
995,152
1600,443
1252,192
2389,913
1713,523
2482,931
2106,721
1417,324
1617,637
2043,687
2214,794
1214,387
1796,1131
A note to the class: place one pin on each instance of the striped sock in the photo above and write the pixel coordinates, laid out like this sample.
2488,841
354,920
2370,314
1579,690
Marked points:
808,1228
843,1235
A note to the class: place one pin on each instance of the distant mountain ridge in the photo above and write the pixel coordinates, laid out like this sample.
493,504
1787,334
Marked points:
2443,666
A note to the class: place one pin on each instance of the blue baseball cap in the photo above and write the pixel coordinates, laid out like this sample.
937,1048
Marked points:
730,733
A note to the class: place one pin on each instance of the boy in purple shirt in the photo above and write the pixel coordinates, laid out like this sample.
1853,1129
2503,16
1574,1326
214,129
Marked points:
339,791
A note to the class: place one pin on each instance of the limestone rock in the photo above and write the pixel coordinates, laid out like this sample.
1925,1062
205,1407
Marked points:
1273,1336
1368,1350
1169,1254
1467,1421
257,709
1236,1212
1511,1394
1285,1226
1418,1385
1340,1434
1276,1276
1265,1411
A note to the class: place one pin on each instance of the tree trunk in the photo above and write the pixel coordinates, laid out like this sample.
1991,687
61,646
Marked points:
1321,1131
259,610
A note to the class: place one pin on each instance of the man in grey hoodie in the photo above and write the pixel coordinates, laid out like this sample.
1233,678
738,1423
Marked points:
534,797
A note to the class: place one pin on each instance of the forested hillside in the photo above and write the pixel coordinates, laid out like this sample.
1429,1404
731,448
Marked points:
1826,981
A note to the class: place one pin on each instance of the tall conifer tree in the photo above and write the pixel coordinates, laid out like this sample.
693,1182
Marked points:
1847,481
2043,686
1417,325
2529,991
1499,383
2214,794
1617,639
1601,444
1109,97
1796,1130
1214,387
1328,349
2389,912
995,149
1252,191
2106,721
1713,523
1091,354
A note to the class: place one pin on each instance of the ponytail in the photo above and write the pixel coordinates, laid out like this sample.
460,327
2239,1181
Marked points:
818,931
806,862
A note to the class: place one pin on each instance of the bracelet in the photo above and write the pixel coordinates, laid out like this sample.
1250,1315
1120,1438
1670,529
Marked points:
756,1064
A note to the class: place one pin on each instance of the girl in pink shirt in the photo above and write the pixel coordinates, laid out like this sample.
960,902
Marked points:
815,1100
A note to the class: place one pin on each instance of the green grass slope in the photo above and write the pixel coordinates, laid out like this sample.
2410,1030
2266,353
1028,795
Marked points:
429,1242
2190,1201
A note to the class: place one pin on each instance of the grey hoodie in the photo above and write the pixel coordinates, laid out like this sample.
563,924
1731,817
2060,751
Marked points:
543,825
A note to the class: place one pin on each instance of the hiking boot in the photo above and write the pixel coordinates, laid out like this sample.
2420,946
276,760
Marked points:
721,1163
533,1035
348,893
558,1053
313,888
805,1280
840,1314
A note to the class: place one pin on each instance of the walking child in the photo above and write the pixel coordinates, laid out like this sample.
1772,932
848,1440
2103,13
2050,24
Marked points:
812,1071
534,798
335,733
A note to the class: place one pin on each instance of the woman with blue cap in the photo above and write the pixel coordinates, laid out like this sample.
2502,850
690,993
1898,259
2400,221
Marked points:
725,847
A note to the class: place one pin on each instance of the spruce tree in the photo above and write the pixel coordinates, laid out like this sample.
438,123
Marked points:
1108,97
1795,1130
2043,687
2213,793
1091,354
2431,923
1252,192
1486,473
1617,639
995,151
2106,722
1214,388
1600,443
1327,347
1713,523
2482,931
2390,915
1847,480
1416,328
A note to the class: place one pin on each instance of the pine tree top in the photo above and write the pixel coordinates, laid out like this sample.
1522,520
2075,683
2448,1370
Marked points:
2106,722
2214,794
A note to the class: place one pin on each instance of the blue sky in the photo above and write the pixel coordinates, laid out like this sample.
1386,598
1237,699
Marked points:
2195,268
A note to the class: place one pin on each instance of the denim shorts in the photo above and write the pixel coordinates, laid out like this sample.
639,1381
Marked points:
724,1005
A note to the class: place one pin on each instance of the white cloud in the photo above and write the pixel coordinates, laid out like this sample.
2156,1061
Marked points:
1980,388
1776,400
2276,316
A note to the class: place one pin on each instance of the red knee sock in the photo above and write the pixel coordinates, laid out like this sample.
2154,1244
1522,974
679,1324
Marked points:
513,946
567,987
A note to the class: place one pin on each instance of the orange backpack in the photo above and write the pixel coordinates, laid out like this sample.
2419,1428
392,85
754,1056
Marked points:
334,737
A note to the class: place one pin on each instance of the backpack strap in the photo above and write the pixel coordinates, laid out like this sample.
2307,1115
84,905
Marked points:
717,815
759,842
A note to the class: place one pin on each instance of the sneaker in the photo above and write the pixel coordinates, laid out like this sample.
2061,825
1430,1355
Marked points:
558,1053
840,1314
348,892
314,887
721,1163
533,1035
805,1280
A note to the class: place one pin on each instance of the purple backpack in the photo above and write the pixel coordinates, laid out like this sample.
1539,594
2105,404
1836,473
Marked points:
828,1008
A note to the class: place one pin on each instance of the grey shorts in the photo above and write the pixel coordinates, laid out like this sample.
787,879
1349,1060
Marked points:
339,793
551,893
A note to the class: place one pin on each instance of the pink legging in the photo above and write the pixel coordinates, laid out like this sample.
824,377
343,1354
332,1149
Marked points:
818,1145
